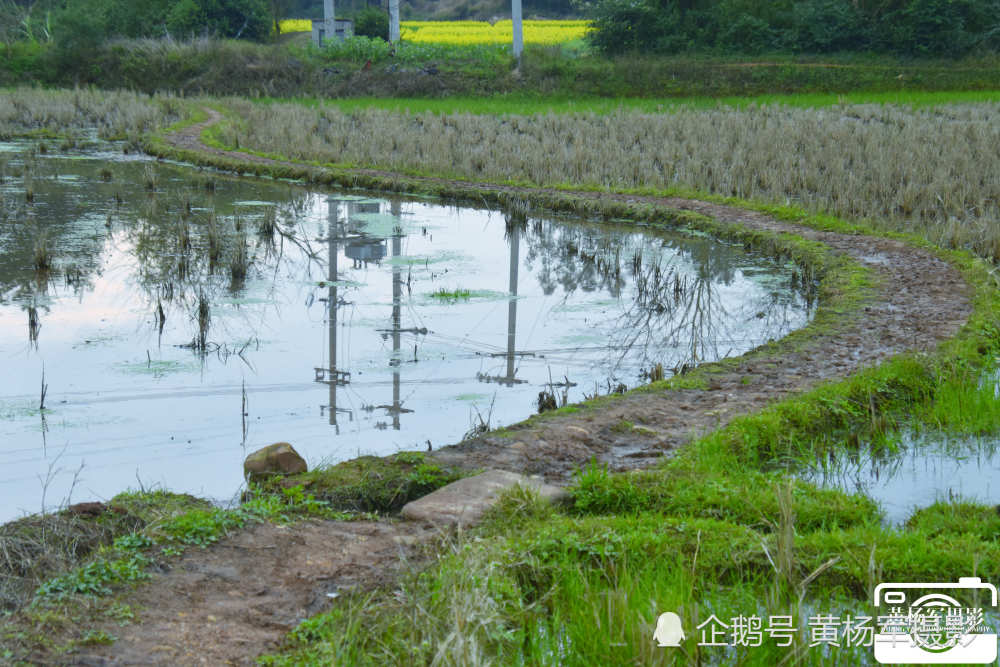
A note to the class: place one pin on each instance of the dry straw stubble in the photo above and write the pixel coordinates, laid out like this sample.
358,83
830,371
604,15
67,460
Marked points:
933,171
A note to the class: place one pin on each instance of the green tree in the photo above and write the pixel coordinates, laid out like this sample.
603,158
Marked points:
372,22
238,19
905,27
80,27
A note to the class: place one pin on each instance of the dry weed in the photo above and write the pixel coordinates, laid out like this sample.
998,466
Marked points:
932,171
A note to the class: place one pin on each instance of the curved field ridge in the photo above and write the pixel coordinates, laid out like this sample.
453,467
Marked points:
227,604
919,300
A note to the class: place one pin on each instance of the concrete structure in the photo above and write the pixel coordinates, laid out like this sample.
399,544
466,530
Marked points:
323,31
328,28
515,18
393,21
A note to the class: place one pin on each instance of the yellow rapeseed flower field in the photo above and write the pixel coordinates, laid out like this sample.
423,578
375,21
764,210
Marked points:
473,32
481,32
295,25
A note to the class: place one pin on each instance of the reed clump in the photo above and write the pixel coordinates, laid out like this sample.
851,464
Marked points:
203,315
267,227
239,263
214,243
115,114
150,178
42,255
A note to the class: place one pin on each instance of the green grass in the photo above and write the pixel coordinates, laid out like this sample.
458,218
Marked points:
370,68
127,558
373,483
451,295
713,531
143,530
527,104
539,585
956,519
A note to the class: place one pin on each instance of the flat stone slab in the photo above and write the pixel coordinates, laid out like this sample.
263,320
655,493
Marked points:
464,502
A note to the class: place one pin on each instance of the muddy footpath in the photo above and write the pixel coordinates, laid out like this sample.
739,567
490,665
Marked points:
235,600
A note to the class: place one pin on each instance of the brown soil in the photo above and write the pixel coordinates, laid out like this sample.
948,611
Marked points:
227,604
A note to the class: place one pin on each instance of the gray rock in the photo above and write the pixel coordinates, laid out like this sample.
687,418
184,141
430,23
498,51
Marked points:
464,502
277,459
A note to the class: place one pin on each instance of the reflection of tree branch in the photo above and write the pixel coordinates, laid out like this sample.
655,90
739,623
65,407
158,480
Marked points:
667,315
671,305
303,245
177,267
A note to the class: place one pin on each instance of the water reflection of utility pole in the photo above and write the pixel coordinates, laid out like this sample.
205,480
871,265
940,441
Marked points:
332,376
397,294
515,249
510,378
396,408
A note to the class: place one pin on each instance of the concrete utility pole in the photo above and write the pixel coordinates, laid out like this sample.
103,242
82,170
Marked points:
515,18
393,21
329,26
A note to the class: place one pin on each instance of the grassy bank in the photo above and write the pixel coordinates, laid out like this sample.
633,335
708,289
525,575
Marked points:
113,115
64,573
364,67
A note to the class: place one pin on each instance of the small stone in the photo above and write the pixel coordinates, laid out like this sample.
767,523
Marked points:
87,509
463,503
277,459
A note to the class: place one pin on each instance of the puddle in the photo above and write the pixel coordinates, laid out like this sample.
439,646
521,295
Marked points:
927,468
189,318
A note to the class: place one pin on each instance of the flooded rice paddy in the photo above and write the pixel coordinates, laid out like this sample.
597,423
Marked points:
920,470
159,322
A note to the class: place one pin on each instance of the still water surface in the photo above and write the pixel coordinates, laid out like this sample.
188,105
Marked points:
925,469
189,318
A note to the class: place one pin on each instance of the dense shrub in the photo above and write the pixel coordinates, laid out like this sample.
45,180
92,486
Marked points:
247,19
747,33
80,25
902,27
635,25
372,22
823,26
